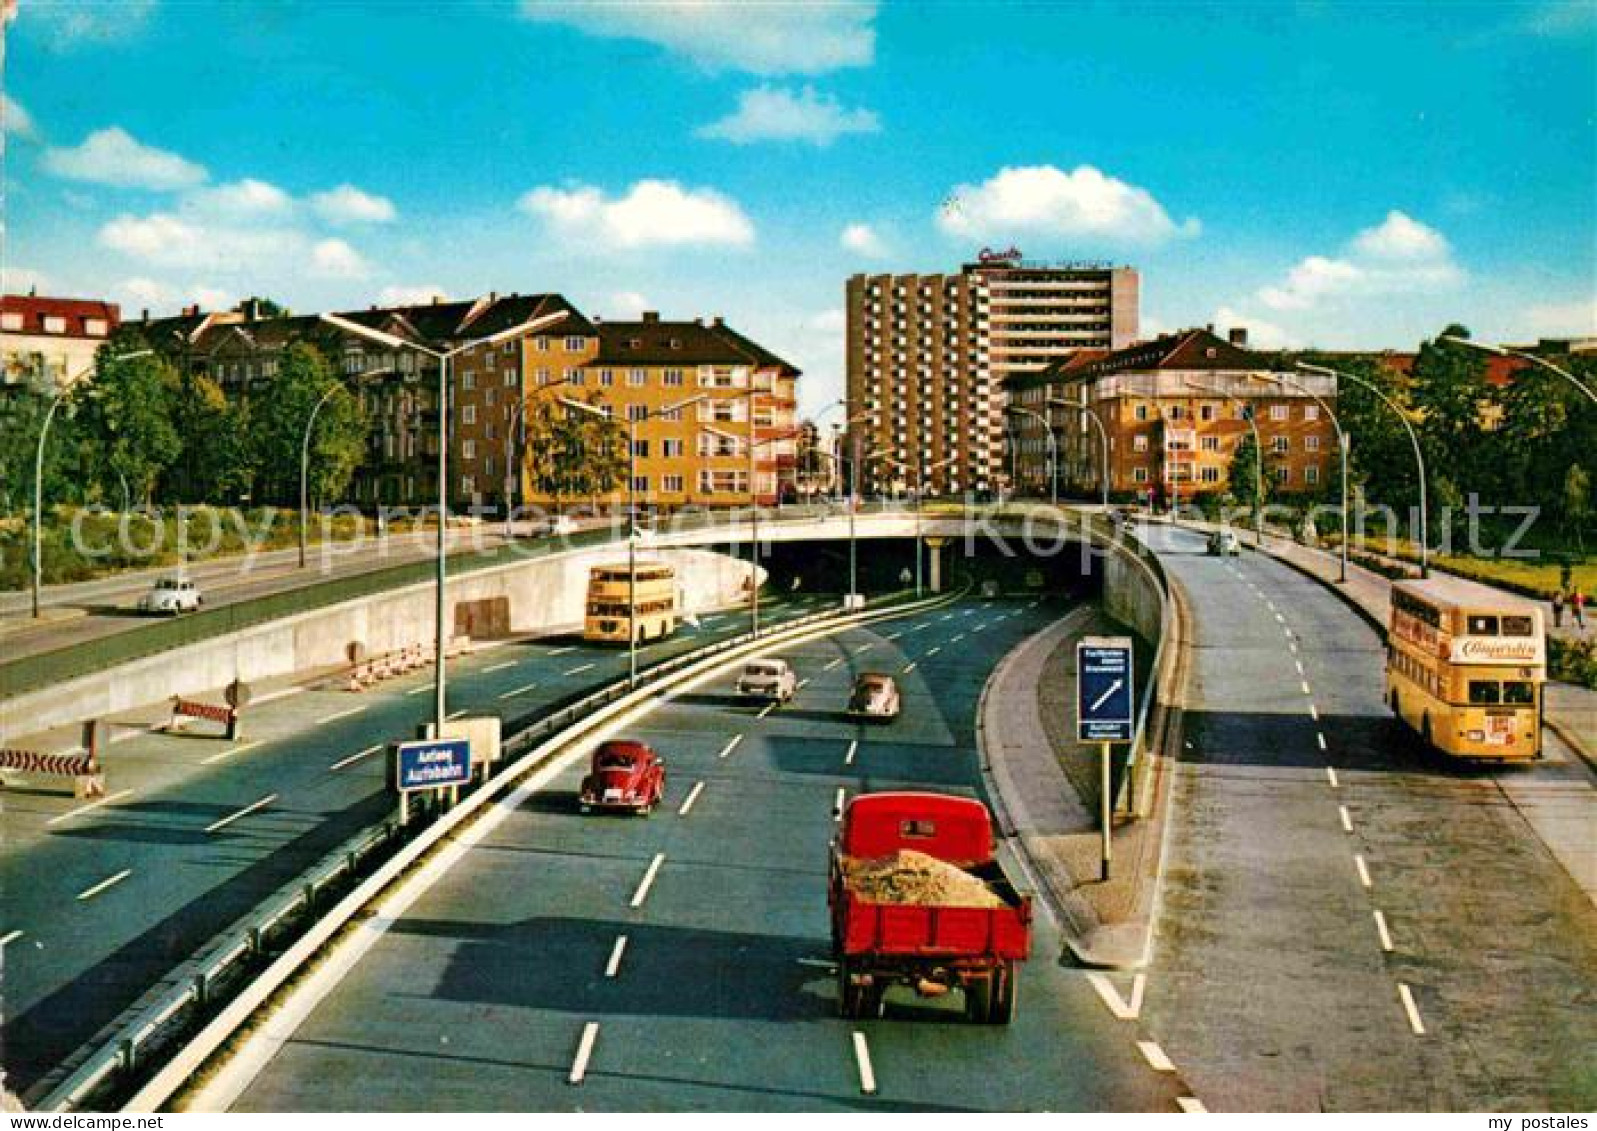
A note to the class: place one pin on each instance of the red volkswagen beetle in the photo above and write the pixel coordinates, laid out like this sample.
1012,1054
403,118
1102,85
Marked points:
625,775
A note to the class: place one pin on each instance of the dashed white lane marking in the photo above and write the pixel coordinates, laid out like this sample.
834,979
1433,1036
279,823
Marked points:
8,938
909,667
356,757
522,690
454,714
333,718
863,648
501,667
1347,818
687,803
862,1059
1154,1055
920,627
90,807
817,964
766,710
1364,870
731,745
109,882
978,627
1299,665
894,635
946,617
803,682
853,748
1280,619
614,965
837,803
422,690
1122,1009
224,755
580,668
1303,683
215,826
1319,736
1330,771
1411,1009
1380,929
831,665
648,880
579,1066
957,639
1191,1105
562,651
933,651
1314,712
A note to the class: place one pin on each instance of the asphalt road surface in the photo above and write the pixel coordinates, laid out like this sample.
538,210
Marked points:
1348,924
510,975
102,900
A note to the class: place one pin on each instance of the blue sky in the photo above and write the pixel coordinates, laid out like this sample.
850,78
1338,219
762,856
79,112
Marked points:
1324,173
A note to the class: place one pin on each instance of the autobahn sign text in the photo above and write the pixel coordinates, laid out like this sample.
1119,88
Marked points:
1104,696
431,764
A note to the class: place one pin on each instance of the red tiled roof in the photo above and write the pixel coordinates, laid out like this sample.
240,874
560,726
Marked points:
76,312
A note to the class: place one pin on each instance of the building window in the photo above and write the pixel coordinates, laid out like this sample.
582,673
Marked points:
1311,474
1175,412
468,485
509,348
607,377
468,449
1280,412
54,324
543,345
673,378
1210,443
640,484
1311,443
1280,444
1142,412
640,449
1139,443
672,483
10,320
542,375
468,380
1283,475
1311,412
574,345
489,397
468,414
95,327
1209,474
671,449
1139,474
635,378
576,377
509,378
1206,412
637,412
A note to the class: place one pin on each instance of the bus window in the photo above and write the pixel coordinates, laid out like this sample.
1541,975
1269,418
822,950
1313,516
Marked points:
1482,626
1483,692
1520,692
1518,626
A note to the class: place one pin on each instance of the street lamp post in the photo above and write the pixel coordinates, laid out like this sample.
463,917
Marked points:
38,470
304,469
444,359
1504,351
1258,456
1343,442
1103,439
1053,449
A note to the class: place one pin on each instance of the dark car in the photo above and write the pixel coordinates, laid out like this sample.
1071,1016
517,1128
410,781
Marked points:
875,697
625,776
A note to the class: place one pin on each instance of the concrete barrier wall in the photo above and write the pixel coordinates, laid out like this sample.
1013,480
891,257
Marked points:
546,595
1132,596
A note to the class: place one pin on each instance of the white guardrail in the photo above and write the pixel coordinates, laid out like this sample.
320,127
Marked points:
232,964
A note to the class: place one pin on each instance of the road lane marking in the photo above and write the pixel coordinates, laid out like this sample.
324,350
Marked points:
648,880
1191,1105
333,718
933,651
580,668
732,744
979,627
224,755
1292,646
957,639
562,651
1122,1009
1330,775
909,667
1364,870
693,795
803,682
837,804
1411,1009
946,617
1314,712
853,748
423,689
1154,1055
1386,936
110,882
9,937
863,648
501,667
1319,736
817,963
214,826
766,710
1347,818
894,635
862,1059
454,715
1303,683
82,809
1280,619
614,965
1299,665
353,758
831,665
579,1066
519,691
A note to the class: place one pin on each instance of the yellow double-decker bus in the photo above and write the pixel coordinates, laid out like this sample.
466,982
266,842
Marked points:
619,604
1465,666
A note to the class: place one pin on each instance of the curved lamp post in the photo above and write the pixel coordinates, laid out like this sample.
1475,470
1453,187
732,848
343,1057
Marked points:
1504,351
1258,456
1342,442
1103,438
1053,448
304,467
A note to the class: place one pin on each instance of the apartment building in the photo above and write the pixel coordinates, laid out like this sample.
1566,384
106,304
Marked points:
51,342
1173,410
928,357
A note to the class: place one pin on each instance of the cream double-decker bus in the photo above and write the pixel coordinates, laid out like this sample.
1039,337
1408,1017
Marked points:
620,604
1464,668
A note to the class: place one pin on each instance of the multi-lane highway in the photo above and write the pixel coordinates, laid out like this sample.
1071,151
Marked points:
1346,924
102,899
681,962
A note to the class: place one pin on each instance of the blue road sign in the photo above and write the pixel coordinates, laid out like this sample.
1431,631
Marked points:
1104,696
431,764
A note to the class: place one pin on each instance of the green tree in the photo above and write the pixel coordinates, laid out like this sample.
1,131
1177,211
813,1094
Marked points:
126,422
1243,484
572,454
1576,504
1452,398
277,430
217,457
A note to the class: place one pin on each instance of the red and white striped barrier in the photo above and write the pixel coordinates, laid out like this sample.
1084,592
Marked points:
87,779
211,712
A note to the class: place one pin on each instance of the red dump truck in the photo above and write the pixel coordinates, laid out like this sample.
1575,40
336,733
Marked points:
917,899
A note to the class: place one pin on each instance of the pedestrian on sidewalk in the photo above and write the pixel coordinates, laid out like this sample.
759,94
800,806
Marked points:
1577,609
1558,609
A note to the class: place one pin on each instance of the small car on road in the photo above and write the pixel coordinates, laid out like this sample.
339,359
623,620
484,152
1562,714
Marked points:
625,776
172,595
1224,543
767,679
875,697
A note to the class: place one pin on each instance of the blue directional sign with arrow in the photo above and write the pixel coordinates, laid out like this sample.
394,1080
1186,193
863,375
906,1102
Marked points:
1104,694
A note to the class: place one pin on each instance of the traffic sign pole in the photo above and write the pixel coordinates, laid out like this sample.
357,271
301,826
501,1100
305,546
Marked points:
1105,709
1106,805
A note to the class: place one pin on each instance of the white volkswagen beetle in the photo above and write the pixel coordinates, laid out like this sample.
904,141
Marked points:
172,595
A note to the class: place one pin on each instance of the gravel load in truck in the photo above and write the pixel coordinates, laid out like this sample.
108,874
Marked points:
911,877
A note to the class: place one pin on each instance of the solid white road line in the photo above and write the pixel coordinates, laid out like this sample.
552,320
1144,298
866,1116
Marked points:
853,748
82,809
817,963
501,667
91,892
1155,1056
693,795
580,668
454,714
519,691
244,812
1411,1009
226,754
1347,818
648,880
614,965
766,710
1380,927
1364,870
1330,771
579,1066
837,803
862,1058
356,757
1191,1105
8,938
333,718
732,744
831,665
1122,1009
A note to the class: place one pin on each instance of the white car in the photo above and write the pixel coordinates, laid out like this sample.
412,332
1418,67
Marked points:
768,679
172,595
1223,543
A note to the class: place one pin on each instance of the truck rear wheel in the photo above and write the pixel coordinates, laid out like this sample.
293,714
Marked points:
979,1001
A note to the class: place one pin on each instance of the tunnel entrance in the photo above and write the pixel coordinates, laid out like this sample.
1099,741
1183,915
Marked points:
885,563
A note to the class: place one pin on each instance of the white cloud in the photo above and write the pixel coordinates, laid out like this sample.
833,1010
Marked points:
145,293
347,204
1562,319
1311,280
16,280
862,239
1046,201
410,295
113,157
15,120
627,304
769,113
652,213
335,259
1399,256
762,39
1262,334
141,293
247,198
1401,237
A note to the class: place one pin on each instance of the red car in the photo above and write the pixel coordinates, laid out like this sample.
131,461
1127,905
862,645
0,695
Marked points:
626,776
